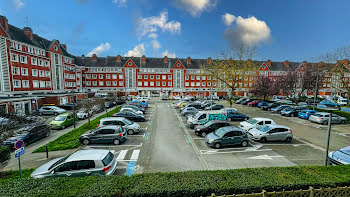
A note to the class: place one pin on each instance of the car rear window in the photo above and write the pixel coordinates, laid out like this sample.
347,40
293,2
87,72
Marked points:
108,159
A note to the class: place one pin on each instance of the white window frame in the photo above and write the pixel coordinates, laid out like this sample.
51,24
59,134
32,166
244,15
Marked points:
121,83
169,84
25,59
14,57
145,76
139,83
34,71
94,83
139,76
36,84
25,83
115,83
94,76
121,76
108,76
42,84
24,72
88,83
187,77
114,76
47,73
108,83
88,76
16,70
34,61
100,83
157,76
163,77
151,83
158,83
145,83
16,83
48,84
43,73
151,76
100,76
40,62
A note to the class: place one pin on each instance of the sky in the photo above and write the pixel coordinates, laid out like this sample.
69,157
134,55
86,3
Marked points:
280,30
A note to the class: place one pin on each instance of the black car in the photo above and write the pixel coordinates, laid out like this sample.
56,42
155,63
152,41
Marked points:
109,104
214,107
211,126
311,101
28,134
68,106
269,106
131,116
235,115
120,101
292,111
246,101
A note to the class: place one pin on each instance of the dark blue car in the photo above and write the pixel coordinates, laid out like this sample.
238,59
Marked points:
341,156
235,115
262,103
329,103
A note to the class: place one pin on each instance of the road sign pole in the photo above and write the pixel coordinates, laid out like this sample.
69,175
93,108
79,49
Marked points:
19,167
328,136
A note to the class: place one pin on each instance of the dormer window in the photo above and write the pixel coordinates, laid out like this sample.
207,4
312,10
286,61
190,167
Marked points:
56,48
130,64
178,64
18,47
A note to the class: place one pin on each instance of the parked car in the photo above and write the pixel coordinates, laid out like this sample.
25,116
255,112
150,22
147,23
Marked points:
305,114
215,98
239,101
139,102
189,110
262,103
195,105
131,116
68,106
120,101
339,157
135,107
106,134
63,120
323,117
109,104
204,116
131,110
342,101
51,110
130,127
246,101
285,101
233,114
330,103
28,134
138,105
254,122
278,109
214,107
311,101
211,126
270,132
84,114
269,106
90,162
226,136
97,108
253,103
292,111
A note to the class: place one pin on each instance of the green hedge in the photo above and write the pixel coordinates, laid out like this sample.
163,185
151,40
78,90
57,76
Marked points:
5,153
70,140
190,183
340,113
7,176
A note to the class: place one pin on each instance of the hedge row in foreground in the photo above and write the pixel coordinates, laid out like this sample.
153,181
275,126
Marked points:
190,183
70,140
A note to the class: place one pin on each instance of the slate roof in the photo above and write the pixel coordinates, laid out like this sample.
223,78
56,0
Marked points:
279,66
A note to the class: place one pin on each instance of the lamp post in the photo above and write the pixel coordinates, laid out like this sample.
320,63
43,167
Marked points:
316,90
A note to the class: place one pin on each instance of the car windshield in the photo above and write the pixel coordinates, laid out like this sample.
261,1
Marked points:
60,118
108,159
252,121
220,132
128,122
197,115
263,128
58,162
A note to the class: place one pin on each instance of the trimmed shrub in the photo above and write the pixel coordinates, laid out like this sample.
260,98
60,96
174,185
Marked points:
5,153
70,140
190,183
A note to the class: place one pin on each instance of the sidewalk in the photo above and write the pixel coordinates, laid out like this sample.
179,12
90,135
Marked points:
34,160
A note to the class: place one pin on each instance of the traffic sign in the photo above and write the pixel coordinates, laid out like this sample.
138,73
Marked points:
19,144
19,152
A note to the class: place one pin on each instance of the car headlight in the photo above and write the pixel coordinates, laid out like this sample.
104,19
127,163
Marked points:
211,140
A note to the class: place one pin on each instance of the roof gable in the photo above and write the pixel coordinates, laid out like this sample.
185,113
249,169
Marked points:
3,32
130,64
301,68
178,65
55,47
263,67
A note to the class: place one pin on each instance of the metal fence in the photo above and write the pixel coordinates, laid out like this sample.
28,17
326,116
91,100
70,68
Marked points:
311,192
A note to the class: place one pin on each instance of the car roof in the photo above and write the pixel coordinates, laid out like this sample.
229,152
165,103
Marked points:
91,154
65,114
110,127
322,113
260,119
218,121
273,126
213,112
230,128
112,118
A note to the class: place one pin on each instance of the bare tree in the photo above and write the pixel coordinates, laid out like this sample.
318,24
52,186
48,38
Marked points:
89,105
262,87
231,67
287,84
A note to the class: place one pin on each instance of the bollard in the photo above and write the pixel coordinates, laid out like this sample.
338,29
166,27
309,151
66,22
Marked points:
47,153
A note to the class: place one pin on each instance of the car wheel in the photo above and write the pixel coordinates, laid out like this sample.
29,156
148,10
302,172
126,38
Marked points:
203,134
263,140
116,142
47,134
217,145
342,122
244,143
292,115
63,127
288,139
325,122
86,141
130,132
55,113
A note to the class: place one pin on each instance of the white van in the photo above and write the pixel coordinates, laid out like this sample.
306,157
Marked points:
342,101
204,116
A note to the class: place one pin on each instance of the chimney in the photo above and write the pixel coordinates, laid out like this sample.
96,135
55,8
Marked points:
119,58
4,23
28,32
189,60
165,59
64,46
143,59
286,63
94,57
209,60
346,63
268,62
230,61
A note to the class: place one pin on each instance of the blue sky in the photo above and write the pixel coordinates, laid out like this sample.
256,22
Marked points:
281,30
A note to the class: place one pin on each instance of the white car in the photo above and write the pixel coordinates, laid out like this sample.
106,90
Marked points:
83,114
342,101
177,97
132,110
254,122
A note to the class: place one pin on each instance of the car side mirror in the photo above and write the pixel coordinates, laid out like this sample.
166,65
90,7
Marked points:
53,172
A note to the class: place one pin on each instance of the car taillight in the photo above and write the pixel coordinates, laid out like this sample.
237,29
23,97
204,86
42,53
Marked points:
120,134
319,118
290,131
307,113
98,125
106,169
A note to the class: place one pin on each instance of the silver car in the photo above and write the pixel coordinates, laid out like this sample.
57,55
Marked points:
51,110
81,163
131,127
266,133
323,117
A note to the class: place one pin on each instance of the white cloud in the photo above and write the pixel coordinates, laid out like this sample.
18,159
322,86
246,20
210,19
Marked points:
170,55
228,19
138,51
18,4
153,35
155,44
195,7
248,31
100,49
150,25
120,3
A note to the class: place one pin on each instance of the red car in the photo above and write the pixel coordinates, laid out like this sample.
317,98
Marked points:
253,103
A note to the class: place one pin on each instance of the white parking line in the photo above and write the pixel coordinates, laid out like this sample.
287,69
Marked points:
111,146
135,154
135,135
207,152
122,154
